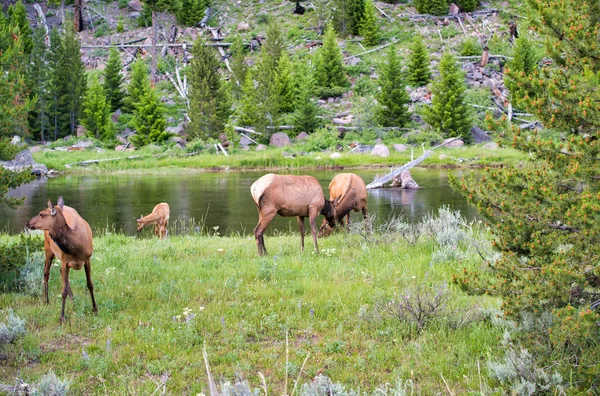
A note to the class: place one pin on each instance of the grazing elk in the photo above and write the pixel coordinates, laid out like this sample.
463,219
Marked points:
69,237
159,217
350,193
288,196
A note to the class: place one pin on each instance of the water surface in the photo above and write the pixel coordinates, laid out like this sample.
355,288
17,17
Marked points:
211,199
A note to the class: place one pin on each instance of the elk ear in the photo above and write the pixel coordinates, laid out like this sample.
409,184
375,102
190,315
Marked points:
51,207
336,201
60,203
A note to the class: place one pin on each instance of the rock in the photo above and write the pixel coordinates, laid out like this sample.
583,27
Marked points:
178,141
116,115
335,155
318,157
280,139
381,150
83,144
362,149
288,155
261,147
454,143
407,181
302,136
35,149
454,10
400,147
135,5
22,161
170,120
100,150
477,76
479,135
81,131
353,61
343,120
443,156
245,148
245,142
120,147
491,146
16,140
134,15
243,27
169,102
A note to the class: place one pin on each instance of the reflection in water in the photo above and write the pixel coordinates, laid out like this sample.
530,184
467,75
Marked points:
214,199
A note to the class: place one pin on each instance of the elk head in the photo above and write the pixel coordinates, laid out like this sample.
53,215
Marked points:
330,211
140,223
46,219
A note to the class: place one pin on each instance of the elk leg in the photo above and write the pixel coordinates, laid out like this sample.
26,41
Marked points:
90,285
367,221
263,221
64,270
301,226
156,231
47,266
313,226
348,222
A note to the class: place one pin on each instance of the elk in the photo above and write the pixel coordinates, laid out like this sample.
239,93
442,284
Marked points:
350,193
159,217
288,196
69,237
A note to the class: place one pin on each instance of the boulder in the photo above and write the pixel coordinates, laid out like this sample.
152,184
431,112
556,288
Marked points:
454,143
491,146
302,136
405,180
22,161
280,139
83,144
116,115
261,147
381,150
135,5
443,156
120,147
362,149
335,155
81,131
245,142
35,149
243,26
400,147
178,141
16,140
479,135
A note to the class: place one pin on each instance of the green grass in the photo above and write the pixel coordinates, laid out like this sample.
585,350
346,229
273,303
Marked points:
174,160
244,306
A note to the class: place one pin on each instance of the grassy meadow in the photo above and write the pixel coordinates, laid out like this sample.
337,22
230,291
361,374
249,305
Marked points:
160,302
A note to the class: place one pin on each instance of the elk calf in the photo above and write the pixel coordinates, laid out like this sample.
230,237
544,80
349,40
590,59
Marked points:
159,217
288,196
350,193
69,237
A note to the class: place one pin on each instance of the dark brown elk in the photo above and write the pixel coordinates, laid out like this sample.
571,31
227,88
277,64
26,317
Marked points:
350,193
69,237
287,195
159,217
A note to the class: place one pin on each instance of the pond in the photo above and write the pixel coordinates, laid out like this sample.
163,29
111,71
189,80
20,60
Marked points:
210,200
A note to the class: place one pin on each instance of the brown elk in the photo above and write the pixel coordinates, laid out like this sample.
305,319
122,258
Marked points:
350,193
159,217
69,237
288,196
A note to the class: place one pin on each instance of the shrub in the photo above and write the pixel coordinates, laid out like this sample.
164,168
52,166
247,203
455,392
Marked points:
51,385
322,139
470,47
13,329
31,274
13,256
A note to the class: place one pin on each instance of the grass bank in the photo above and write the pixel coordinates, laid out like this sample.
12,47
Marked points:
161,301
159,160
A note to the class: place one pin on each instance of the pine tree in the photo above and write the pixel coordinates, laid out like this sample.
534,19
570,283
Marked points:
239,67
418,64
524,63
55,84
209,102
96,112
156,6
369,28
247,108
37,75
149,120
448,113
329,73
285,85
18,17
544,217
433,7
191,12
305,116
10,179
113,81
347,16
138,85
393,99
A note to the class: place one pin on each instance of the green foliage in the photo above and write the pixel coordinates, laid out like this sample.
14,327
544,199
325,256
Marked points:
113,81
418,64
523,65
13,329
145,18
448,113
37,81
321,139
393,99
470,47
14,253
209,101
467,5
191,12
369,28
544,217
120,25
122,4
285,85
433,7
305,116
329,74
138,85
96,112
18,18
247,107
149,120
238,64
347,16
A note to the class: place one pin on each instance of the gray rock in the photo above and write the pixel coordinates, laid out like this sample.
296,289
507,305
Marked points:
335,155
302,136
178,140
83,144
136,5
35,149
170,120
280,139
244,141
16,140
454,143
443,156
477,76
261,147
400,147
362,149
491,146
22,161
381,150
81,131
479,135
116,115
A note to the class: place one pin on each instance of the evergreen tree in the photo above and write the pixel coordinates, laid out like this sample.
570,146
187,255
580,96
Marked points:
369,28
18,17
113,81
545,216
448,113
149,120
329,73
54,84
96,112
285,85
347,16
191,12
156,6
524,63
247,108
73,71
37,75
305,116
239,67
10,179
393,98
418,64
138,85
433,7
209,102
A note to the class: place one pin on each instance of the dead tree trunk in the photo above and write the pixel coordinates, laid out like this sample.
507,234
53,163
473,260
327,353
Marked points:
78,18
